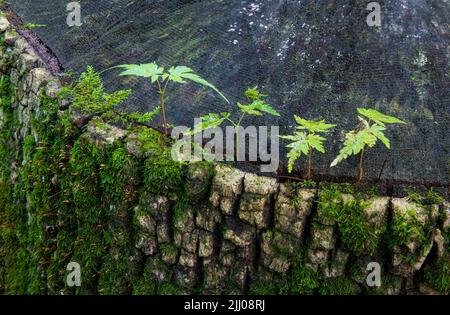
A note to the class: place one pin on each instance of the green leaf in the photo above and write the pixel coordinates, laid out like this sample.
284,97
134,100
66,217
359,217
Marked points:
257,108
313,126
355,141
208,121
303,142
88,94
264,107
366,135
148,70
181,73
293,156
254,94
363,137
316,142
377,131
249,109
293,138
347,149
298,147
378,117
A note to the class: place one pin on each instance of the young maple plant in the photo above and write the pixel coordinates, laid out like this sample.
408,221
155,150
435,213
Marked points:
257,107
365,136
305,140
162,78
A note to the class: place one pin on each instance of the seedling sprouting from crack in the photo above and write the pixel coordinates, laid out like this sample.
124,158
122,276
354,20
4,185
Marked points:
257,107
162,78
306,139
365,136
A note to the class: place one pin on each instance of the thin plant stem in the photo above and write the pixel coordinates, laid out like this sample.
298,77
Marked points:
309,174
162,92
360,166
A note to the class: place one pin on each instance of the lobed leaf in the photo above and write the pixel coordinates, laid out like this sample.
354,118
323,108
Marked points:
313,126
249,109
302,144
257,108
316,142
293,156
208,121
347,149
377,131
364,138
181,73
148,70
378,117
298,147
254,94
264,107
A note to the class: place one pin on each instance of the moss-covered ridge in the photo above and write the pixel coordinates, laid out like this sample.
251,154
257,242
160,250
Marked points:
104,192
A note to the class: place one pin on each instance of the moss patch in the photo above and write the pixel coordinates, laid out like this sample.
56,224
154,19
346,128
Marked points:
339,286
88,94
357,235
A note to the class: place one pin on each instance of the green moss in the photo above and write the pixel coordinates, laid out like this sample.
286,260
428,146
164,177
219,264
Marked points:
278,244
119,179
437,273
14,258
146,284
91,217
168,249
168,288
62,204
264,282
163,175
357,235
42,174
88,94
414,196
338,286
262,287
438,276
406,227
2,40
430,197
307,183
179,215
302,279
104,189
149,285
390,285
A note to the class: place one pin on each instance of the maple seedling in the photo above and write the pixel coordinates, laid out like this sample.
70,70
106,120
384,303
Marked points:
366,135
306,139
257,107
162,78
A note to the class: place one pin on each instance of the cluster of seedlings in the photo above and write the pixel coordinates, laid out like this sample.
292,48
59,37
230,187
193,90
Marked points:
309,134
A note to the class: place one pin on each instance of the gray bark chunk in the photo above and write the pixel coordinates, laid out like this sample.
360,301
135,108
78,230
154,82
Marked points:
292,208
